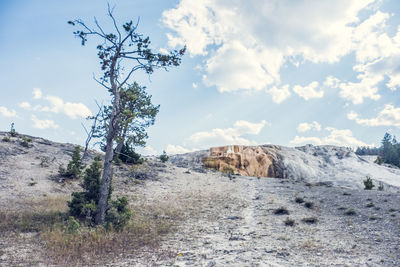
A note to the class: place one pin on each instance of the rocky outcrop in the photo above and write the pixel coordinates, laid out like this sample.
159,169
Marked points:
244,160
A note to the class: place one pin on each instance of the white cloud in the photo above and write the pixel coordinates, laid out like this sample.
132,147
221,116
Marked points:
279,94
247,42
332,82
5,112
304,127
175,149
335,137
72,110
57,105
377,56
307,92
25,105
37,93
227,136
388,116
43,124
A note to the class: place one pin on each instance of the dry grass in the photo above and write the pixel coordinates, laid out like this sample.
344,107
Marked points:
149,225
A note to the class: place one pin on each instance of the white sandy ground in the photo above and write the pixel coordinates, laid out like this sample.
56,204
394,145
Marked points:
228,221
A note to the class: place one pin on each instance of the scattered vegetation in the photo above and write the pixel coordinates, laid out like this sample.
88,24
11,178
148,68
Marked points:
310,220
32,183
350,212
299,200
164,157
309,205
281,211
289,222
25,141
75,166
6,139
370,205
368,184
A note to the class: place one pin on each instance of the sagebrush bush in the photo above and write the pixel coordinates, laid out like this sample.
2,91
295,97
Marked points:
368,184
75,165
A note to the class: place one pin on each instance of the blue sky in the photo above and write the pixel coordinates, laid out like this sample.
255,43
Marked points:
281,72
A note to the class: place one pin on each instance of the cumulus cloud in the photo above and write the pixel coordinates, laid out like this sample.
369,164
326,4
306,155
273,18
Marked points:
304,127
335,137
388,116
25,105
5,112
37,93
307,92
227,136
279,94
57,105
175,149
377,54
72,110
247,42
43,124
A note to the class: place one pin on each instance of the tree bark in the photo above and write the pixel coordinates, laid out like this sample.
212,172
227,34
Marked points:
112,131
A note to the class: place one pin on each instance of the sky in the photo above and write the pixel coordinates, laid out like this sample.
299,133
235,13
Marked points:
283,72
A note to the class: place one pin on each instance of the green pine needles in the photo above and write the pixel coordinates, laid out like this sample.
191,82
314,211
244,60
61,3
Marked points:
84,205
75,166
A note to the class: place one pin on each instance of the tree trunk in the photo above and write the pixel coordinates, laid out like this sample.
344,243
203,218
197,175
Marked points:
105,182
112,131
120,143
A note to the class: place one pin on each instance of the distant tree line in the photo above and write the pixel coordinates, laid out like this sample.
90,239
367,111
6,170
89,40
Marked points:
388,152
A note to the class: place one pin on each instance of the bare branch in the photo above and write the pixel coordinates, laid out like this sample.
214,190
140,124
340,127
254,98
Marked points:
101,82
110,11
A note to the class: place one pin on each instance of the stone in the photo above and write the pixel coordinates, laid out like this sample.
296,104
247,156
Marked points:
255,161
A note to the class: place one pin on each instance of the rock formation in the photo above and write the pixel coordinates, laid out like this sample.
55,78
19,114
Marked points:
244,160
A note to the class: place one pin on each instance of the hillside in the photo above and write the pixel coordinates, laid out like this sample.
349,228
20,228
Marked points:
318,215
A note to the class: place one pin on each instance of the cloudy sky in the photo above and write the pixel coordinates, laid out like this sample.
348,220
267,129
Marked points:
256,71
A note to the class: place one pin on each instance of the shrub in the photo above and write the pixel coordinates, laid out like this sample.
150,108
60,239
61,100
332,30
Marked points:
128,155
83,205
309,205
119,214
299,200
281,211
74,167
289,222
378,160
6,139
370,205
368,184
310,220
25,141
350,212
164,157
